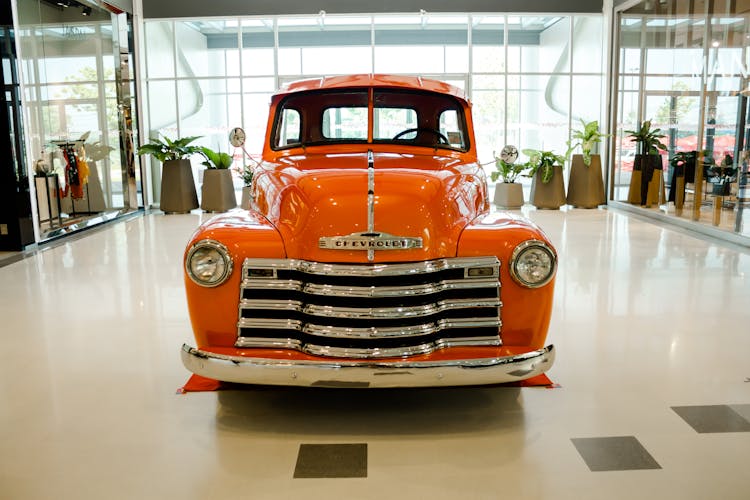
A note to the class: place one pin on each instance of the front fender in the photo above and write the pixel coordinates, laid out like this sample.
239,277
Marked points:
213,311
526,312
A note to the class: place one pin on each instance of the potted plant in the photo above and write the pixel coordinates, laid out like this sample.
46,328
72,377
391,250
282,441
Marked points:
178,193
247,181
586,184
683,170
722,176
217,192
508,193
645,188
547,185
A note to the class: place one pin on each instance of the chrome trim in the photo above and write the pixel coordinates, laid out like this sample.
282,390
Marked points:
271,324
367,373
264,343
386,269
522,247
367,312
368,291
350,352
370,241
369,333
371,201
228,262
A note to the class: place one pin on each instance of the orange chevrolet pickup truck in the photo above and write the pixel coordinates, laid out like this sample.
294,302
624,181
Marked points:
369,256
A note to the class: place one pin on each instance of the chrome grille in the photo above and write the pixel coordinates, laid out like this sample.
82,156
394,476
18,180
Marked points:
369,310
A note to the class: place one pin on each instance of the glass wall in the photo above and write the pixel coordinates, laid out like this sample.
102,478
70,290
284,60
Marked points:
77,77
683,67
530,77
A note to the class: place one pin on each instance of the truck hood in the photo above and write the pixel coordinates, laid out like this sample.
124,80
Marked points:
416,196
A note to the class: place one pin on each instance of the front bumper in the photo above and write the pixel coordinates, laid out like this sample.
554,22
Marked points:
364,374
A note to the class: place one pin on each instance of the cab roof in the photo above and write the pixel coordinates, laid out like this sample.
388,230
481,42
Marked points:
372,80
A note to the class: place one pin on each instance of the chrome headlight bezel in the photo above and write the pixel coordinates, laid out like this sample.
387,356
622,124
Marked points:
223,253
522,249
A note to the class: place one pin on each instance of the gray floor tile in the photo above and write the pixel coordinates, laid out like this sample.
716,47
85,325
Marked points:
742,410
614,454
331,461
713,418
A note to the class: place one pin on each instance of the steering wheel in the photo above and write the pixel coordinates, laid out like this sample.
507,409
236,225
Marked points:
441,138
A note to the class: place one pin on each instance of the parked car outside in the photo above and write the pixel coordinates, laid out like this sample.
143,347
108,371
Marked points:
369,256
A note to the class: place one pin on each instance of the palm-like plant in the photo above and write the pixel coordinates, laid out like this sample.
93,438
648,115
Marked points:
508,171
247,175
545,161
585,138
166,149
217,160
649,141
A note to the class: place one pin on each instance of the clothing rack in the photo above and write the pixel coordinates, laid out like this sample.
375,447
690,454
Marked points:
66,144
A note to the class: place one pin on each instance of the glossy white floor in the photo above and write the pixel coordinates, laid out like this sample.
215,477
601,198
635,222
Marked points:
645,319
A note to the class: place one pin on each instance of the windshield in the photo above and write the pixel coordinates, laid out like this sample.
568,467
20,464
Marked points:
399,116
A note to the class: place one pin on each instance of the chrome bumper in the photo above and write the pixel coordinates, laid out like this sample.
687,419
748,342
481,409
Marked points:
363,374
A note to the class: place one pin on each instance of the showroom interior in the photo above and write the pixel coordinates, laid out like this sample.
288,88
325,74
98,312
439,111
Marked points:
650,393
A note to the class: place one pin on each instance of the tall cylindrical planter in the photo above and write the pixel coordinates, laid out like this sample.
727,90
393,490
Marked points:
217,192
550,195
634,191
586,184
178,193
508,195
646,183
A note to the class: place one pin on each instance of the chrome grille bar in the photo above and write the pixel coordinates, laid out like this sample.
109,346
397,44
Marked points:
367,291
348,352
368,313
369,310
368,333
397,269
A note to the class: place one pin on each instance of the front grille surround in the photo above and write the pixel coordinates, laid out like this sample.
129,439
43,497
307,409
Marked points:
369,310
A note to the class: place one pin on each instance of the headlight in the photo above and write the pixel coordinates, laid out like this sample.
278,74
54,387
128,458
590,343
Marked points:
533,263
208,263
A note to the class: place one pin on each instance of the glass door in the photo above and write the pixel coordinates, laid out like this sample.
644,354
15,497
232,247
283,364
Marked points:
77,75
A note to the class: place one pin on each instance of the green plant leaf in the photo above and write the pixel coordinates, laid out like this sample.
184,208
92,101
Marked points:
215,159
166,149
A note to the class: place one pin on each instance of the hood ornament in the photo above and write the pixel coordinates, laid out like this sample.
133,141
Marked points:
370,240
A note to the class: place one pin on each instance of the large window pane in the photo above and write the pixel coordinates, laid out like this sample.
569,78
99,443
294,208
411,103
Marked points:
336,60
160,53
543,113
489,116
488,43
408,59
208,110
587,44
489,59
162,107
588,92
257,62
543,43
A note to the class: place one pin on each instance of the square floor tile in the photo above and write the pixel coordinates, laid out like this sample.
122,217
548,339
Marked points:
331,461
742,410
614,454
714,418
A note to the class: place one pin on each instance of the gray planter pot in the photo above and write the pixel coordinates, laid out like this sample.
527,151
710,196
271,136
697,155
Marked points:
217,192
586,184
247,197
178,195
550,195
508,195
